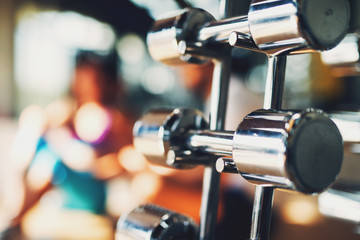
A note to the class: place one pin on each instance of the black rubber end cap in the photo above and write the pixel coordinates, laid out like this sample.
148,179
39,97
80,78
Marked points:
316,152
324,22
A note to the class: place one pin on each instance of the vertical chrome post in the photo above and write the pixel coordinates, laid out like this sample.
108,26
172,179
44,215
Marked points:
261,215
274,82
263,199
211,179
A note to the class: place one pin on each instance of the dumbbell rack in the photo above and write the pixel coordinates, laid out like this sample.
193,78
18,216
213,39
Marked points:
212,41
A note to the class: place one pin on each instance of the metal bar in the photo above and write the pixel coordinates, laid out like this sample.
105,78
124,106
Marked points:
241,40
219,31
211,179
226,165
263,199
219,92
215,142
275,82
261,215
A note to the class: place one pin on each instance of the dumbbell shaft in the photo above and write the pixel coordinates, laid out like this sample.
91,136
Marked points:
213,142
219,31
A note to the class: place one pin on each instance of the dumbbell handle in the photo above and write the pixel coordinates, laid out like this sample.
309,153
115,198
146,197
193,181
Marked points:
219,32
214,142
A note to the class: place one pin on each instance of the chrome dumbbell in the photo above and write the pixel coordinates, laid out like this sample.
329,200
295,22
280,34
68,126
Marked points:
342,199
348,124
302,151
290,27
272,27
150,222
160,134
344,59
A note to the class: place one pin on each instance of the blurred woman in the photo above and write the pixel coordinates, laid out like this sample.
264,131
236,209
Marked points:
74,145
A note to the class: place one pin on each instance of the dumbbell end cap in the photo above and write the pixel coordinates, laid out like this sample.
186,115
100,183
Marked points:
316,152
324,22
